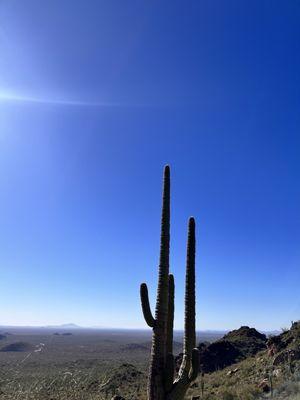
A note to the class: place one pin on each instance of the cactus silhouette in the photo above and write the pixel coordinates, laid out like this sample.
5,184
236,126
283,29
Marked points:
161,382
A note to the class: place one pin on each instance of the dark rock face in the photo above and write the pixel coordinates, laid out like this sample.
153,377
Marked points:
218,355
2,336
233,347
18,346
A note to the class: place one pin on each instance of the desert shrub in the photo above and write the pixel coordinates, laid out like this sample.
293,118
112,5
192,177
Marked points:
288,388
228,395
240,392
249,392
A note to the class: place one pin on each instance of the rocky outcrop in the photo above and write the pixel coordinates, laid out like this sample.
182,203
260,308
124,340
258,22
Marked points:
285,348
218,355
233,347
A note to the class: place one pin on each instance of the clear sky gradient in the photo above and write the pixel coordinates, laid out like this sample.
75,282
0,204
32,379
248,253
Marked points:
95,98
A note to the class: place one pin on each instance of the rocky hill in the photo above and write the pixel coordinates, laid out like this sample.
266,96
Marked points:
248,340
233,347
236,346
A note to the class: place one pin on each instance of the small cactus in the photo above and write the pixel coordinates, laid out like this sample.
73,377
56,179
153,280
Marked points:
202,385
270,378
161,382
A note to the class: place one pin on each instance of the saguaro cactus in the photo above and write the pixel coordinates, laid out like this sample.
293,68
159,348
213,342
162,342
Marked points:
161,383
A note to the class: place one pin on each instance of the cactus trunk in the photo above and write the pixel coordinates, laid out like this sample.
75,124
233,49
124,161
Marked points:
161,384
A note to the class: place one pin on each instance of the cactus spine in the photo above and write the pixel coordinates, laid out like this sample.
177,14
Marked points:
161,383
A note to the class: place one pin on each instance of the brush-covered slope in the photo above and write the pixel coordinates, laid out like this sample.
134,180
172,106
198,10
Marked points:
243,365
275,368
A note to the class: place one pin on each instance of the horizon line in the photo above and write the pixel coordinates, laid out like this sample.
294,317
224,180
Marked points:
78,327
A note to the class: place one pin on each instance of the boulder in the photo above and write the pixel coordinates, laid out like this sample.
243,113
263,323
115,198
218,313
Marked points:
264,385
277,372
232,371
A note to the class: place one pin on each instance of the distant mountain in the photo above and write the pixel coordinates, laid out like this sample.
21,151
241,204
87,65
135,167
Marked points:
64,326
70,326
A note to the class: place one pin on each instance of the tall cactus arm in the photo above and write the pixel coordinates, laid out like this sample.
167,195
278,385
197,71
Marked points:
161,311
189,316
146,306
190,361
170,322
169,368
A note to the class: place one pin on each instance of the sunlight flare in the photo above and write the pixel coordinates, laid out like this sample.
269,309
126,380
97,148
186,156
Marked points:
14,97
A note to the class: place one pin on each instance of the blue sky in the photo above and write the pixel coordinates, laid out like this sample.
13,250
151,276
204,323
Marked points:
95,98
